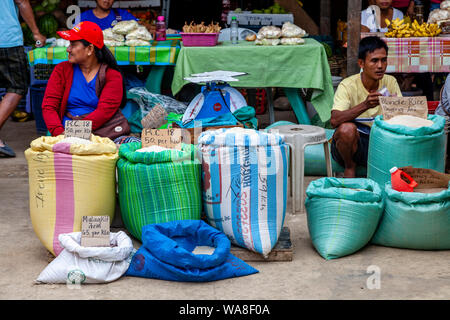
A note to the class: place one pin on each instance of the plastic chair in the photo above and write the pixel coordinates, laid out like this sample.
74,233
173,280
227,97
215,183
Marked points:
298,136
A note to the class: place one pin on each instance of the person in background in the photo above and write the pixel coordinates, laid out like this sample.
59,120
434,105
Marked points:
14,72
435,4
356,104
105,16
72,88
373,20
405,6
443,110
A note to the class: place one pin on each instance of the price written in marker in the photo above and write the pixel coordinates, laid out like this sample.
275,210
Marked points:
95,231
412,106
167,138
78,129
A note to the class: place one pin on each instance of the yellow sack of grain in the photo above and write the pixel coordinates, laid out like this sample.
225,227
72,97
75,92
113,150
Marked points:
67,180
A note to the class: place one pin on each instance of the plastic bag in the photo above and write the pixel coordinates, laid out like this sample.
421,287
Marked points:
141,33
445,5
109,35
438,15
112,43
124,27
136,43
147,100
269,32
77,264
169,252
267,42
292,41
290,30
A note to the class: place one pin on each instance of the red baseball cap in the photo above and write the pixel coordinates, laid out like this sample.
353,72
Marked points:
85,30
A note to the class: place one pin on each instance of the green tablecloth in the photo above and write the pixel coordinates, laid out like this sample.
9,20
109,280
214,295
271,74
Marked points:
301,66
159,53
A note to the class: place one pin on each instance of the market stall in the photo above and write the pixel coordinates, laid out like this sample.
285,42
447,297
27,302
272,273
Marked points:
159,55
288,67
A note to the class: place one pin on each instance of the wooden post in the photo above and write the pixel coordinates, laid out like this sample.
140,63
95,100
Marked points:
353,35
325,12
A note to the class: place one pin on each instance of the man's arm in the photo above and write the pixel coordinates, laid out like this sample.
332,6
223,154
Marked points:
339,117
27,14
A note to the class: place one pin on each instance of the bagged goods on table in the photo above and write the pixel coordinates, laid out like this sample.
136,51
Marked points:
290,30
136,43
438,15
342,214
176,251
141,33
269,32
445,5
77,264
68,181
157,187
109,35
292,41
393,145
124,27
267,42
415,220
245,185
113,43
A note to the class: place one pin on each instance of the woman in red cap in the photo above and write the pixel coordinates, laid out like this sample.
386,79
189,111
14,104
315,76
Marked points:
89,86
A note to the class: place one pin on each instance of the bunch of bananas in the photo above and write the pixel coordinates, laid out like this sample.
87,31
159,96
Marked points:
399,29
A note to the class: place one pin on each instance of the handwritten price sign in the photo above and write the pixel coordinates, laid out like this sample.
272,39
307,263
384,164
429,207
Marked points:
78,128
395,106
167,138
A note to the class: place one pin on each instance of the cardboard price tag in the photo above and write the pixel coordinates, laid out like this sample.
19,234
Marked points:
155,118
427,178
78,128
95,231
412,106
167,138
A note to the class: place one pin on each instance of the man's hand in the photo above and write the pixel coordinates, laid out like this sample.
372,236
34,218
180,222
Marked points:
41,38
372,99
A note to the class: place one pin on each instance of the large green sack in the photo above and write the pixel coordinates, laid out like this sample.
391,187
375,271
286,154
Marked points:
415,220
342,214
400,146
158,187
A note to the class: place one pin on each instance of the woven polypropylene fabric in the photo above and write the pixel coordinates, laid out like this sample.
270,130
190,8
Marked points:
342,214
398,146
415,220
157,187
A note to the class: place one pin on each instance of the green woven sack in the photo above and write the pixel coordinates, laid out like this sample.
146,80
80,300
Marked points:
342,214
400,146
158,187
415,220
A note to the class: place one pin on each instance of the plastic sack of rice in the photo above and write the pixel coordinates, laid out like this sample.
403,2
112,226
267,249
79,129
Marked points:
69,178
419,219
78,265
342,214
244,185
397,145
158,185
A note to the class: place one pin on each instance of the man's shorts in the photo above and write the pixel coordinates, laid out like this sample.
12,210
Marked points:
360,157
14,71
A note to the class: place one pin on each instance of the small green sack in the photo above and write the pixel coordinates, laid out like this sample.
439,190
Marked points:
415,220
158,187
342,214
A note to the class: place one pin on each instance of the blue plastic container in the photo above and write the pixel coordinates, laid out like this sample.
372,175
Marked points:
37,95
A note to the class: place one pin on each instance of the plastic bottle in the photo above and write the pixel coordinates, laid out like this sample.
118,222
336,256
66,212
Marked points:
160,29
399,183
234,31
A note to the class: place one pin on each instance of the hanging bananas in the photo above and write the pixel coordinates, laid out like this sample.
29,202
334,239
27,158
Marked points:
399,29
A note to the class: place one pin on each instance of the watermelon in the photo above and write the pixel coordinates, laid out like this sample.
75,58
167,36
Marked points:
28,38
48,25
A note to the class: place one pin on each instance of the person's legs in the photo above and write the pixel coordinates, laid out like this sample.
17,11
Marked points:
346,138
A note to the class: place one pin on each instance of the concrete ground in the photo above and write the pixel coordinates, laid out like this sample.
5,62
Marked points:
404,274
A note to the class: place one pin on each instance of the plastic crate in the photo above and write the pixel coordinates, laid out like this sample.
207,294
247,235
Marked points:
199,39
37,95
259,97
40,73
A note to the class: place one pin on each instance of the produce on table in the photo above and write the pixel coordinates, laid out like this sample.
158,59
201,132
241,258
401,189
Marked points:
141,33
127,33
290,30
124,27
274,9
289,34
399,29
201,28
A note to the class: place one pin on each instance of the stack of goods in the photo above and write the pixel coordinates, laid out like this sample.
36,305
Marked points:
289,34
68,180
399,29
201,28
342,214
157,185
403,143
245,185
441,17
127,33
199,35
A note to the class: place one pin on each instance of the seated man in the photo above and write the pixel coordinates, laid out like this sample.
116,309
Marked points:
444,110
356,104
105,16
